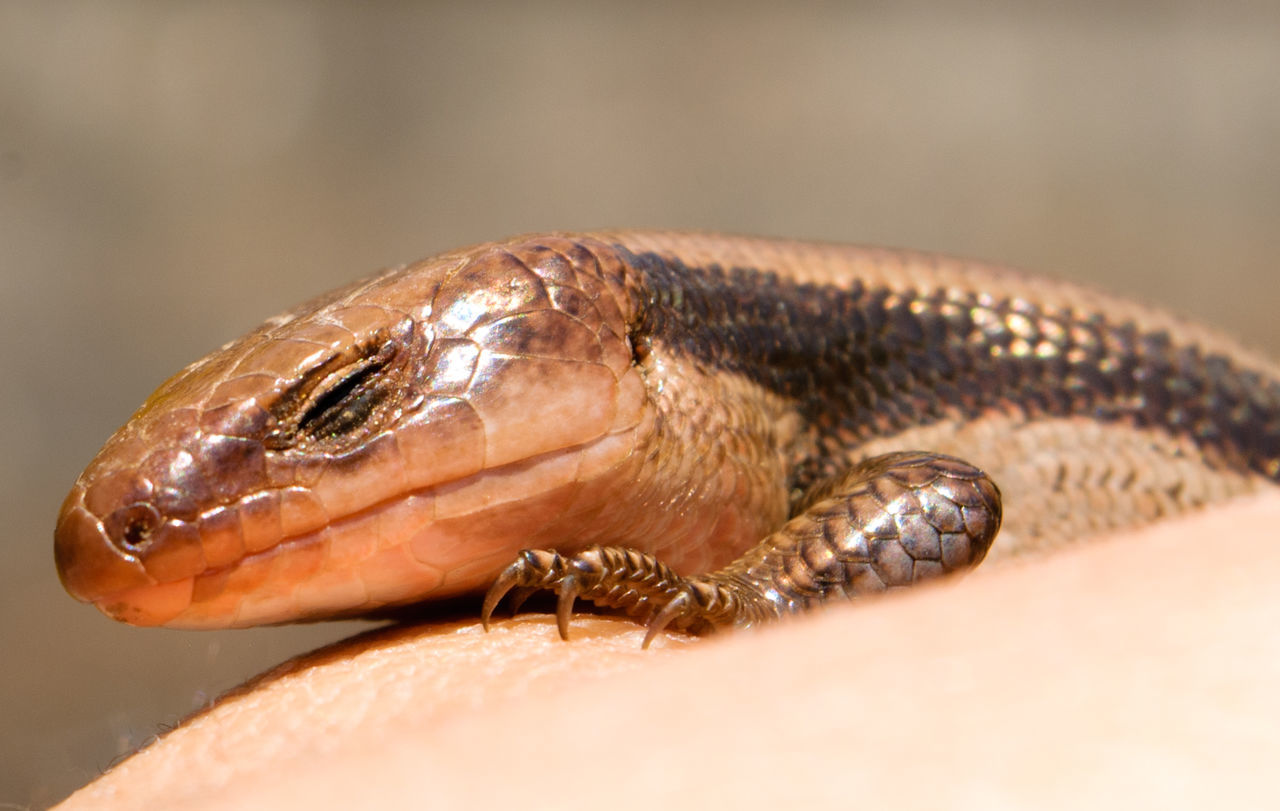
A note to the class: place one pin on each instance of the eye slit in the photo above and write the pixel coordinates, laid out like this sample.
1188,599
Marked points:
346,400
332,398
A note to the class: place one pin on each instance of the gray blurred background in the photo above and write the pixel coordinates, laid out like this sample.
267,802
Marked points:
171,174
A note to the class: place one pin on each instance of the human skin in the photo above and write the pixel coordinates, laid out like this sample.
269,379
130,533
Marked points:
1138,671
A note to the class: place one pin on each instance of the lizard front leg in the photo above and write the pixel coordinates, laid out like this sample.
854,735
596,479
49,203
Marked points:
890,521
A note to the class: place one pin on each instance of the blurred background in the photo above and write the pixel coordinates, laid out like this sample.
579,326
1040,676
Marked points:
171,174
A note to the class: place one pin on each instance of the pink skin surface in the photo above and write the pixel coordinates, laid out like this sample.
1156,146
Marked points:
1059,682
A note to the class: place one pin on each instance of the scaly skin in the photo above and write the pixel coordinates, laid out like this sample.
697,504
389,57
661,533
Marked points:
674,398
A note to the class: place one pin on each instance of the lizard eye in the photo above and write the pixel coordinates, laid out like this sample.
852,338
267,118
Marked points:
344,400
337,398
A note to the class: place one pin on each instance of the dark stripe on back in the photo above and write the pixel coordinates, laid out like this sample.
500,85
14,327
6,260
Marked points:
862,362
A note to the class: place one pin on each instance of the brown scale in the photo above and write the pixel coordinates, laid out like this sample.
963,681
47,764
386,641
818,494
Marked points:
861,362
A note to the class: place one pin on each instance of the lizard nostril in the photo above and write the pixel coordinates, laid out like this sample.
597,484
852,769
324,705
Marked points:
131,527
135,532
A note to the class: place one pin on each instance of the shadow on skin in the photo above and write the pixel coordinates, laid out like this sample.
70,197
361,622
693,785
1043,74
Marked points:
1138,671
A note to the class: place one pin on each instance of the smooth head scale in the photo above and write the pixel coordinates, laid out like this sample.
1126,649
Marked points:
372,431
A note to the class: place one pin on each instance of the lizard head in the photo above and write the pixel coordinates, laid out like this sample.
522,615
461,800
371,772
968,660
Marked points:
390,440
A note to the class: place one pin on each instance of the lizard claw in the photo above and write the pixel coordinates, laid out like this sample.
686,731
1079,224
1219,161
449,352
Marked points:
505,583
677,606
532,569
564,604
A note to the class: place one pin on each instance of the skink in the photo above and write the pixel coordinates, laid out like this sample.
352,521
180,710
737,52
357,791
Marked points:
703,430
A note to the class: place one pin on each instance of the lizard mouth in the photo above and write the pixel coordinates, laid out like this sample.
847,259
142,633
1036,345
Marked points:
323,572
212,598
149,605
